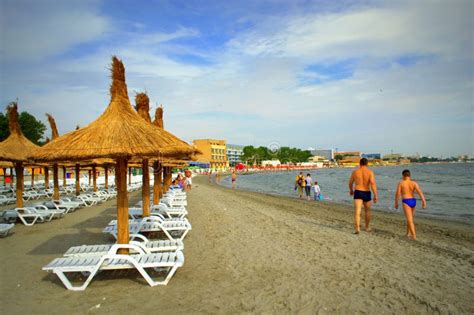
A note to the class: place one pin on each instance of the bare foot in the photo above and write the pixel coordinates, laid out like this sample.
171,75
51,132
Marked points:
368,230
356,232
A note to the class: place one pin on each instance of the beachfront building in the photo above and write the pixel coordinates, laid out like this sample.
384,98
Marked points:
349,156
318,158
328,154
273,163
234,153
392,156
214,153
372,156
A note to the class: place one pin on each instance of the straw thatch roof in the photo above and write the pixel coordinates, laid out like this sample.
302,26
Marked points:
159,117
16,148
118,132
54,128
142,105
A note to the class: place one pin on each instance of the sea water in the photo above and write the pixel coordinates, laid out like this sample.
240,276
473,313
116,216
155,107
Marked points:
448,188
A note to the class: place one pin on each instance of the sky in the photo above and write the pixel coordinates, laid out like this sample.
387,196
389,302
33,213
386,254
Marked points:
374,76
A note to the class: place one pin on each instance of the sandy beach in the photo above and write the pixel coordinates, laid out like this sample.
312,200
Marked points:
250,252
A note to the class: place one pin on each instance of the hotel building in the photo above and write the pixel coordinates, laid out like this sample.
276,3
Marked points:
234,152
214,152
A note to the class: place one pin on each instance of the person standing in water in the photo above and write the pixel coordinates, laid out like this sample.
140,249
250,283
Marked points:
307,188
299,184
234,179
364,180
406,189
317,191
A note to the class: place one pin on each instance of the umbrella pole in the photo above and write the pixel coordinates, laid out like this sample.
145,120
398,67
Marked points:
157,173
64,176
32,177
94,178
145,188
4,176
122,203
19,184
78,184
106,169
55,182
46,178
168,178
129,175
89,173
11,177
165,174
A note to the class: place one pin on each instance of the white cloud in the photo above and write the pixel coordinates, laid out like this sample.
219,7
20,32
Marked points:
36,29
416,27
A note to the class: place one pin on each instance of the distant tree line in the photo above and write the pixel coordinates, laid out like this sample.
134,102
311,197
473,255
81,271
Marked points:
253,155
425,159
32,128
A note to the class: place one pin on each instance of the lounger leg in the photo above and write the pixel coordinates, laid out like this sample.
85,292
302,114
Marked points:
170,275
184,235
168,234
152,282
68,284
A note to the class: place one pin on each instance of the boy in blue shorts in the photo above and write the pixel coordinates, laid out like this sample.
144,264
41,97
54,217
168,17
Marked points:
406,189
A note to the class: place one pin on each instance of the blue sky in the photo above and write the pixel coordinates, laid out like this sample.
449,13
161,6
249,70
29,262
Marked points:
355,75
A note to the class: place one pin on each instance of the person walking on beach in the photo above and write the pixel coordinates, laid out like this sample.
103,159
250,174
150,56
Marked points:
308,184
406,189
317,191
299,184
364,180
234,179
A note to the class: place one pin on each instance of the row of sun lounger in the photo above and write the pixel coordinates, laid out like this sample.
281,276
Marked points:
147,255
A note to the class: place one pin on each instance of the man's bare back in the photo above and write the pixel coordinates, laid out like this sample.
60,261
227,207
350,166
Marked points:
362,178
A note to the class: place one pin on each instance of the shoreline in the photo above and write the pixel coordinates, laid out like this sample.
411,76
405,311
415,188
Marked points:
349,208
253,253
462,219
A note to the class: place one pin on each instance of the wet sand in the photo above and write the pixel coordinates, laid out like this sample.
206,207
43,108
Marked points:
250,252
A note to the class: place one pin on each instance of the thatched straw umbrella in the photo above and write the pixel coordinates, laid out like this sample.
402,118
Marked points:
119,133
142,102
16,148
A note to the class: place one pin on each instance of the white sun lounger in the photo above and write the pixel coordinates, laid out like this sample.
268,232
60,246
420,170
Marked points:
28,216
161,209
154,218
173,203
46,212
5,229
170,212
147,246
87,201
68,203
51,205
4,200
112,261
168,228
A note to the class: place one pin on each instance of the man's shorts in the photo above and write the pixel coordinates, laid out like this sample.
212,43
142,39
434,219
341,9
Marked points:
366,196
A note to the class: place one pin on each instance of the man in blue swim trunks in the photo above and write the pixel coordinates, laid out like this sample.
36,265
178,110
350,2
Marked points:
406,189
364,180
